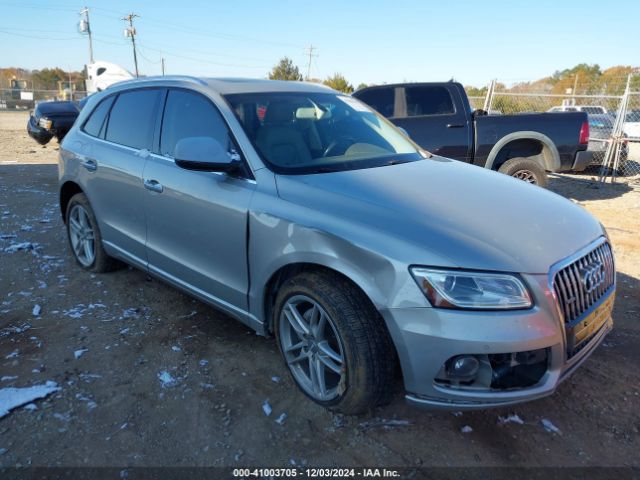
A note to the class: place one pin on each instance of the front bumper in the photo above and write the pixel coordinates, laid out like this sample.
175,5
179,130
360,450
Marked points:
39,134
426,338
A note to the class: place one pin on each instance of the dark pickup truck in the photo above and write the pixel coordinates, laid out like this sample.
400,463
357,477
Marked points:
52,119
439,118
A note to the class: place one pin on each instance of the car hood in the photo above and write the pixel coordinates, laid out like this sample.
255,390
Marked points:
463,215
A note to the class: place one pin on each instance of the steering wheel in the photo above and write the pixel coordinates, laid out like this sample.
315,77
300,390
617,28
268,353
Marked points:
338,146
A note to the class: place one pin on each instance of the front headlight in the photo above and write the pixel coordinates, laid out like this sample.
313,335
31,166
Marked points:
472,290
45,123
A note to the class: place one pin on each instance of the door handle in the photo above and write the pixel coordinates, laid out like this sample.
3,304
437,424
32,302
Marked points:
153,185
454,125
90,164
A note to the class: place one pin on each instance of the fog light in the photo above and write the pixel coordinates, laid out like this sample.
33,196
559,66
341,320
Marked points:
463,367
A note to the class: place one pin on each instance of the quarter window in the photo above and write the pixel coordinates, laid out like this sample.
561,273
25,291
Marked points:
189,114
94,126
132,118
423,100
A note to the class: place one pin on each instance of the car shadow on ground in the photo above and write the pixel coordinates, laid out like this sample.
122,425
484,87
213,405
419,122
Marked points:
585,187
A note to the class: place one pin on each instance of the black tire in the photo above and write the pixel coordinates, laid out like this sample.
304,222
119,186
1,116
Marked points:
367,378
101,261
525,169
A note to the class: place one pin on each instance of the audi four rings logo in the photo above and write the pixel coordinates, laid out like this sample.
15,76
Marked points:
592,276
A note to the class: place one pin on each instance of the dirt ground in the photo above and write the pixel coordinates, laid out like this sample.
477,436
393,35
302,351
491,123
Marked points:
148,376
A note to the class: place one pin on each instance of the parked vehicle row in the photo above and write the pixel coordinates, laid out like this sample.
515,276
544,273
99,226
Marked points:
305,214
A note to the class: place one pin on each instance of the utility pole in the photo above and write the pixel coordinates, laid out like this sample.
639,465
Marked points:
162,65
85,27
311,55
131,32
575,86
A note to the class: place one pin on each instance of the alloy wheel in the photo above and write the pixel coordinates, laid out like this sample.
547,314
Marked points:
82,235
312,348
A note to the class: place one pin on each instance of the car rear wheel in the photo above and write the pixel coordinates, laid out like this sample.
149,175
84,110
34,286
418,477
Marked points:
334,342
84,237
526,170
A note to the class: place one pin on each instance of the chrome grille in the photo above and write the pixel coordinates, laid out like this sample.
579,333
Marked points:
581,284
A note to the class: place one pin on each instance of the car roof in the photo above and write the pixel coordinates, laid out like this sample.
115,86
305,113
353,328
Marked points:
226,86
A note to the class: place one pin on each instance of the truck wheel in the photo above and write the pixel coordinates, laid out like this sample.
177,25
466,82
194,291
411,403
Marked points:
84,236
334,342
525,169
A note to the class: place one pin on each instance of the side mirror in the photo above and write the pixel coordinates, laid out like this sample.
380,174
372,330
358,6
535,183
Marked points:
204,153
478,112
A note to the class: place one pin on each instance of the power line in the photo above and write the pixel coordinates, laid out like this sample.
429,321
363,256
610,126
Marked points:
36,37
200,60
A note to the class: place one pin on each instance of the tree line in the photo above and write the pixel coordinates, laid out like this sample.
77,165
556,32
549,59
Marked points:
45,79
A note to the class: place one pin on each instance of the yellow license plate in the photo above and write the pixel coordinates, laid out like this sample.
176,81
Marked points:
590,325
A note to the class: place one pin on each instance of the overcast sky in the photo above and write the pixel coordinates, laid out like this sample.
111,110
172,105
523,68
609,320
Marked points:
367,41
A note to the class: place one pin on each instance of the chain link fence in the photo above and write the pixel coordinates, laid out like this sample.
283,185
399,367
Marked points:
614,124
19,99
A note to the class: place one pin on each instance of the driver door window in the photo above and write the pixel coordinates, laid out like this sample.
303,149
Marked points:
189,114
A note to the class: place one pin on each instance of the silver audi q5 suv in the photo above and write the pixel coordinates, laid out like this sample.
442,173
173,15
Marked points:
304,214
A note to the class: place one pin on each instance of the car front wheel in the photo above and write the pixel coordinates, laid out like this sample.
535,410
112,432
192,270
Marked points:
334,342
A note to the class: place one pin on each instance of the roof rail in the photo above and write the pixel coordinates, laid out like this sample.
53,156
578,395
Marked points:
155,78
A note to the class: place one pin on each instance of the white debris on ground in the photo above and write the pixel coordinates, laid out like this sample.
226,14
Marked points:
16,247
175,348
36,310
203,363
550,427
80,352
385,423
11,398
90,403
266,408
513,418
79,310
166,379
8,378
466,429
281,418
456,414
13,354
275,379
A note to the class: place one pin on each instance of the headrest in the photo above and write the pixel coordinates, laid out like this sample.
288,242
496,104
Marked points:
280,113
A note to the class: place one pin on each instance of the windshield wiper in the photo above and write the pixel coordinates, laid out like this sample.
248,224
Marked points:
325,170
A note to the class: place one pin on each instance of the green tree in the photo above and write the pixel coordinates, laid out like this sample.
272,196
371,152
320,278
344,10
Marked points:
361,86
48,78
285,70
338,82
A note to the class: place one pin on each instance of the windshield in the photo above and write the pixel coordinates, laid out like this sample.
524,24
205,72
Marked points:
298,133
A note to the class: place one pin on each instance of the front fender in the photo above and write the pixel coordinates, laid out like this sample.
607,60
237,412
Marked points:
277,242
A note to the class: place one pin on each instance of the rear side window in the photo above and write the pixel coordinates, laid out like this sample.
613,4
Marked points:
189,114
424,100
132,118
380,99
94,126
